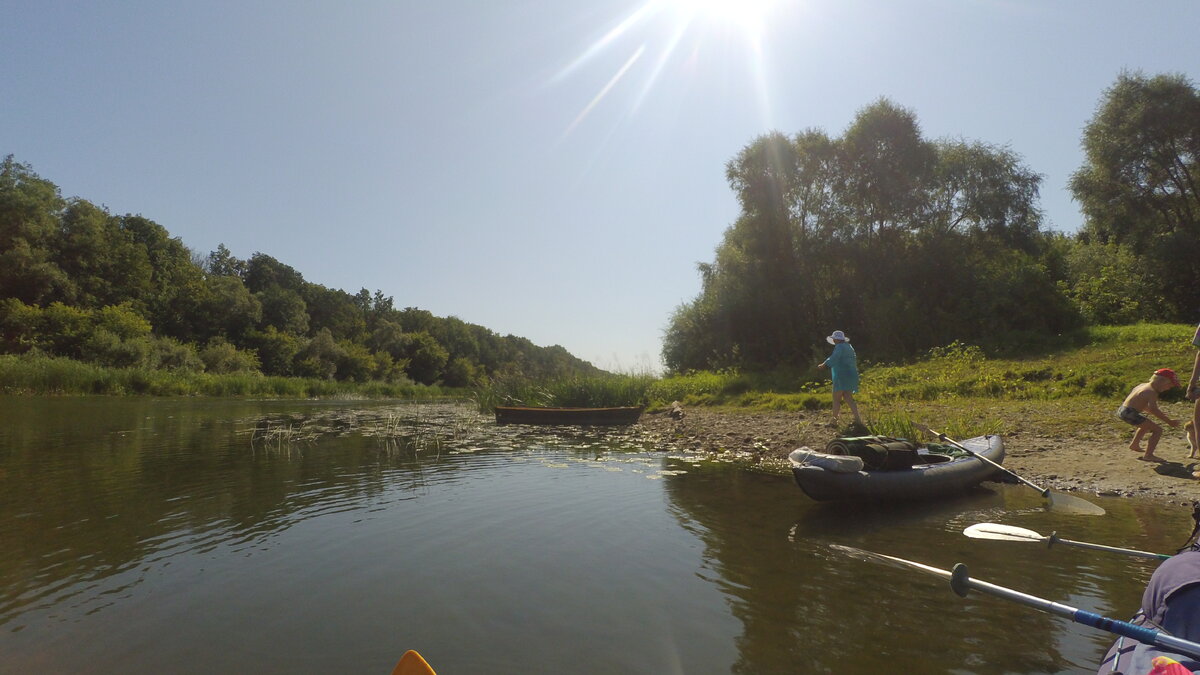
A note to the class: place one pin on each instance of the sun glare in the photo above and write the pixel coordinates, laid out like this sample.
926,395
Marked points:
657,28
747,15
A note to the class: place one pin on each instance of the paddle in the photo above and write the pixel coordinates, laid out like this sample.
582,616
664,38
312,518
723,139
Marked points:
1009,533
1058,501
962,583
412,664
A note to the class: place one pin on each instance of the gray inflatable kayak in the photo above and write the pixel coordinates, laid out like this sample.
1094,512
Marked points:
834,478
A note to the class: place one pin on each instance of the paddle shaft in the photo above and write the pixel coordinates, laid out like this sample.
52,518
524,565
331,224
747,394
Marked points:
1053,539
961,582
996,531
946,439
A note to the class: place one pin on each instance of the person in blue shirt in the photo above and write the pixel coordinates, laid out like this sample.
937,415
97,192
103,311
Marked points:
843,366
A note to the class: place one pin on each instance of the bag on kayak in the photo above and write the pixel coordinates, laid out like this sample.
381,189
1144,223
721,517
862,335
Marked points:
878,453
836,463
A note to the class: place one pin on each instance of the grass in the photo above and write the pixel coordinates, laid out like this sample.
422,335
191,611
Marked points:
603,391
964,391
60,376
1109,362
961,387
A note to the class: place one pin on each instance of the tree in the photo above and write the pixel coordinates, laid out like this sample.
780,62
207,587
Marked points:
30,208
105,265
906,242
284,309
426,358
1140,182
222,263
887,167
263,271
320,357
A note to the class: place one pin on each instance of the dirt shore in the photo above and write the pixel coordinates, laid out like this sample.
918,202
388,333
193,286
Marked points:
1089,458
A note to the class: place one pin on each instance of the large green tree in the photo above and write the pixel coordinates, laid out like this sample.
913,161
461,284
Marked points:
905,242
1139,185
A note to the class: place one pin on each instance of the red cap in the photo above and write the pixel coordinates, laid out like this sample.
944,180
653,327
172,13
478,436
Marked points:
1169,374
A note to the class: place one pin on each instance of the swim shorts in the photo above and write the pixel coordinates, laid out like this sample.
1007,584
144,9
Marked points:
1131,415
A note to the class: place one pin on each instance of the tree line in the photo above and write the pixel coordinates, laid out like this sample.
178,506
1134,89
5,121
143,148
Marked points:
908,243
79,282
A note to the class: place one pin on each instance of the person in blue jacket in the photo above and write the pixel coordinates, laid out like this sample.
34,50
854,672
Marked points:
843,366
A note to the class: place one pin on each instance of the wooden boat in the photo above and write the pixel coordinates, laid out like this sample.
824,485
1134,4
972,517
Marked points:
826,477
578,416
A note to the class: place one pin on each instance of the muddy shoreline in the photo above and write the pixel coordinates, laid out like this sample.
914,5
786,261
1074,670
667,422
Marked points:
1092,458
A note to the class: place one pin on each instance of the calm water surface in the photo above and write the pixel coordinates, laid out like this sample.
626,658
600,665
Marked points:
203,535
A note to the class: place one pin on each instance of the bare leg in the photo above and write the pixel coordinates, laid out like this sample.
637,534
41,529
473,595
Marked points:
1192,439
1136,444
837,405
1152,437
853,406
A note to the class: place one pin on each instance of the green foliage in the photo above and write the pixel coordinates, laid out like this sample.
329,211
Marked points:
39,374
426,357
902,242
277,351
1101,364
319,359
577,392
62,261
222,357
1110,284
1138,184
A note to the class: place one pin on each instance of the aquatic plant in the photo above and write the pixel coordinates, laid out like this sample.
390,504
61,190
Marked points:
580,391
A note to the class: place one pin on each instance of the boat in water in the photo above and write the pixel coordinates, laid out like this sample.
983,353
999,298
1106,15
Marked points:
902,472
568,416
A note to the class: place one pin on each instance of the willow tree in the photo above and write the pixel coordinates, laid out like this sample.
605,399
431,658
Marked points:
905,242
1139,186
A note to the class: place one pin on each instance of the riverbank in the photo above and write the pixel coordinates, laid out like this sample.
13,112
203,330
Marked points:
1073,446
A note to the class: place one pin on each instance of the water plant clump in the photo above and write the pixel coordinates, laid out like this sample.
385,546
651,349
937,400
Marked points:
574,392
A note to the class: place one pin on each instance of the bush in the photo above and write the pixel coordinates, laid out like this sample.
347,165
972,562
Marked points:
221,357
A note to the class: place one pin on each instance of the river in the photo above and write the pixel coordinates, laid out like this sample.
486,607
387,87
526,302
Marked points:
218,535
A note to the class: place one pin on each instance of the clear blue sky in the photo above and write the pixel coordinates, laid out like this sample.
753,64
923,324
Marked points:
549,169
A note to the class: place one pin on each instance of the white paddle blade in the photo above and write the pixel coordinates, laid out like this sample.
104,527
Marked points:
1002,532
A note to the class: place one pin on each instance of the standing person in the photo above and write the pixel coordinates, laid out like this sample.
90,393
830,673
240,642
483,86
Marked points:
1193,393
1144,399
843,366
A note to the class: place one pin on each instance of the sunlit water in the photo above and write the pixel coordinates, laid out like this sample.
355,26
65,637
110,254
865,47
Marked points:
201,535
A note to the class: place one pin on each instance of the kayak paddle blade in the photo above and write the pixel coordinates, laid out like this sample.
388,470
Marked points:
1002,533
412,663
1072,505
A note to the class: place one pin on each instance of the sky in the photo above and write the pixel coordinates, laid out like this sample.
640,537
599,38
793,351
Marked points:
548,169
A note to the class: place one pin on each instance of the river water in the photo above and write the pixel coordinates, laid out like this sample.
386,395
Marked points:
214,535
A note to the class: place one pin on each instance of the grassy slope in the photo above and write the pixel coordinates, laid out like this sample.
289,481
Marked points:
969,392
1053,393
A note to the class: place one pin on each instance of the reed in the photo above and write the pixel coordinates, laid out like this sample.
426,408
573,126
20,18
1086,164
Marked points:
574,392
38,374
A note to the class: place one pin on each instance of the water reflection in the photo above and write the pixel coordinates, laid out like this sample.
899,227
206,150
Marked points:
287,535
802,603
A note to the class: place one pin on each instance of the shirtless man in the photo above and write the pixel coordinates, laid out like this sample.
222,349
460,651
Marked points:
1144,399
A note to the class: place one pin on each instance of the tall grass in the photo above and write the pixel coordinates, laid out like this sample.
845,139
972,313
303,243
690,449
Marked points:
51,375
572,392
